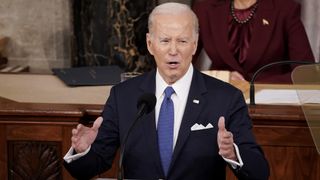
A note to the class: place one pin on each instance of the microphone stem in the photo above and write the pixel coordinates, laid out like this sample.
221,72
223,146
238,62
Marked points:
252,100
252,91
122,148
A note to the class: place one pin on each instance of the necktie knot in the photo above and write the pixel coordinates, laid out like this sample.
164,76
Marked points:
168,92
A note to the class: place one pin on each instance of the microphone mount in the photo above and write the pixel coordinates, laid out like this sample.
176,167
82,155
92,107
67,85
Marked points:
252,88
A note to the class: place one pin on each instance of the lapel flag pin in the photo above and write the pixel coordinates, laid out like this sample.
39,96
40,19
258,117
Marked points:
196,101
265,22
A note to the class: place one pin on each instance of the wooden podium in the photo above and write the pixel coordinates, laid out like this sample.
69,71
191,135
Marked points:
37,113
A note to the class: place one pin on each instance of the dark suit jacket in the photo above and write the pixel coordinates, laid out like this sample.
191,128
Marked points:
196,152
283,39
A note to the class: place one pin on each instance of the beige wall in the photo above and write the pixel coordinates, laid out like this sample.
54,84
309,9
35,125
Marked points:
39,32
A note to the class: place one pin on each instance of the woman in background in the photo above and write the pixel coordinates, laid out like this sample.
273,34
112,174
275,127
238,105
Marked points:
243,35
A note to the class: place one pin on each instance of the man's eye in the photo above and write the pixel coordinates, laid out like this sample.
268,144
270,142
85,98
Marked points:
183,41
164,41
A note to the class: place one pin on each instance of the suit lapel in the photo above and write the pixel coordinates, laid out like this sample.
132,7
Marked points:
191,113
219,29
152,140
263,26
149,124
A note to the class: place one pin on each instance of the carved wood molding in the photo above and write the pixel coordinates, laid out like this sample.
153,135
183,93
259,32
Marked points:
34,160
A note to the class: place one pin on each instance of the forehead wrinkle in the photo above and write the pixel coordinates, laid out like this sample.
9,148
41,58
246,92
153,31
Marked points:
161,30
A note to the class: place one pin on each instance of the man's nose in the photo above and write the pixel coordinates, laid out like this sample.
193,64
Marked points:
173,48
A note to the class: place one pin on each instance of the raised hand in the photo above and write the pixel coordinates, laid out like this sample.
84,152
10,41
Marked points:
225,141
83,137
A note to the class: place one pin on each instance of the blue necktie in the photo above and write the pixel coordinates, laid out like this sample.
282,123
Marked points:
165,129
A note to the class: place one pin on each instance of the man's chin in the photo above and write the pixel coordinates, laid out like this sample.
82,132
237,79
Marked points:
173,78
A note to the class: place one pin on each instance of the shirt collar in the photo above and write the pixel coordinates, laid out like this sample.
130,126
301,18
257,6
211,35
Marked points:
179,86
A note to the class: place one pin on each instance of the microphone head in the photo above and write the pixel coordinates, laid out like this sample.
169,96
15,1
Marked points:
148,100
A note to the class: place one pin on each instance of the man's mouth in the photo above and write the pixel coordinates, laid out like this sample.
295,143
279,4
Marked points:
173,64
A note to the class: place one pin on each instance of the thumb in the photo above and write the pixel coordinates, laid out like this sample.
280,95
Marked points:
97,123
221,124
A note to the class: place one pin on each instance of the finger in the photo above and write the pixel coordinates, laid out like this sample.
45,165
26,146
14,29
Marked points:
225,138
226,153
221,124
74,140
226,135
225,148
97,123
226,142
74,132
73,144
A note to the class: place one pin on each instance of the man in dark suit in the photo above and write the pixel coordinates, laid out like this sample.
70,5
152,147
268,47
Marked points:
243,35
211,127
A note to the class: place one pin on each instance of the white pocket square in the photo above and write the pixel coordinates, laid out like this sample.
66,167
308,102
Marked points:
197,127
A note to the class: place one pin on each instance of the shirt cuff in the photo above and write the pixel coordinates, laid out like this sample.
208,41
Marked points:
69,157
235,164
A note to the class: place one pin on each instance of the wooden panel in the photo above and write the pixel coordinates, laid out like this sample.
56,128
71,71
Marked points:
283,136
34,132
3,153
277,115
293,162
34,160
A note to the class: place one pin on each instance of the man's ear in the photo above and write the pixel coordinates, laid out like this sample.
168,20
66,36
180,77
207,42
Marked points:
195,47
149,43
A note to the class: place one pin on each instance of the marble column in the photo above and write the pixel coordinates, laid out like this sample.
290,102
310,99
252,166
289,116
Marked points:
112,32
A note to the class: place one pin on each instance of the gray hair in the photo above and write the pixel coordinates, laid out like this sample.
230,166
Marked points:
173,8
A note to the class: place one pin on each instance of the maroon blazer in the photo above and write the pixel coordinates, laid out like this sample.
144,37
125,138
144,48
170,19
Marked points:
283,38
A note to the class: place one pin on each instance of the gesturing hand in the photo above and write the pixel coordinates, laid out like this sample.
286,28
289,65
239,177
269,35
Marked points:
225,141
83,137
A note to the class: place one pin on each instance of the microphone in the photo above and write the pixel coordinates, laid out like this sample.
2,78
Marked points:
145,105
261,69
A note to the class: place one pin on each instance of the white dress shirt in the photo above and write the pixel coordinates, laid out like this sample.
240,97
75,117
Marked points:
179,98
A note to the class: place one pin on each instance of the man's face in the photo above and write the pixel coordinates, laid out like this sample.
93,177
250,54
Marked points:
172,41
